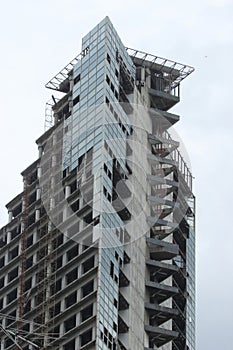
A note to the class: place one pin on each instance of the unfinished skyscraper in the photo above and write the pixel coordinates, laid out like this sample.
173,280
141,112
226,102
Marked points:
99,250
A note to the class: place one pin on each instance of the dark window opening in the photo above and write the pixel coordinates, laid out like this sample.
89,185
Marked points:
70,345
30,241
76,100
108,58
72,253
87,313
12,296
71,276
56,287
13,274
13,253
87,288
70,323
31,219
33,177
17,210
40,275
57,264
2,261
71,299
27,307
29,262
16,231
1,282
116,256
88,264
32,198
75,206
77,79
28,284
56,332
73,186
55,310
86,337
111,269
42,253
88,218
107,79
10,320
58,241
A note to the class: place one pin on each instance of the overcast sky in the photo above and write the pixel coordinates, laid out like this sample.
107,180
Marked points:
38,38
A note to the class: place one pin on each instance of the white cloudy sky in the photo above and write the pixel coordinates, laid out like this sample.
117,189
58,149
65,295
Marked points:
39,37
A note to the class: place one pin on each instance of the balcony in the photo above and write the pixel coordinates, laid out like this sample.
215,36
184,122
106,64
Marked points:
160,292
160,314
123,280
122,326
162,120
122,303
160,270
160,336
161,250
163,99
155,180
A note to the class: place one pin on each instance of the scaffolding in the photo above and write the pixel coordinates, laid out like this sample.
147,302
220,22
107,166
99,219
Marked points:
47,252
23,256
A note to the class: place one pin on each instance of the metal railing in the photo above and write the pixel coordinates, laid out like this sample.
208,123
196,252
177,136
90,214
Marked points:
182,165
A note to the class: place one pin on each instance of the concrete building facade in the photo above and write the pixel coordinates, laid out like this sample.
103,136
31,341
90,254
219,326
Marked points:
99,250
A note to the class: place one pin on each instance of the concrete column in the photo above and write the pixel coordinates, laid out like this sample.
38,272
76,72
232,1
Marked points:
54,139
71,80
78,318
52,203
10,215
55,115
77,343
79,294
39,172
62,305
8,237
148,79
37,215
62,329
63,282
52,182
54,160
40,151
143,74
38,194
67,191
79,271
70,104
